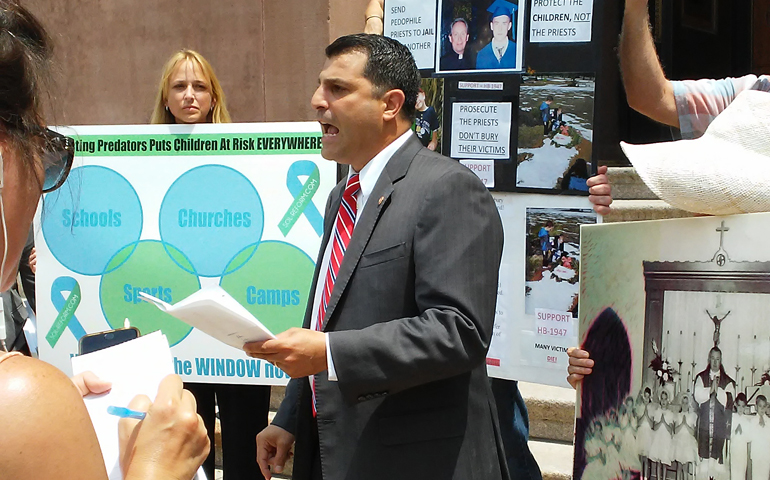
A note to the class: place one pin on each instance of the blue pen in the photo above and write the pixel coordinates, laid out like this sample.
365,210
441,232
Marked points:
124,412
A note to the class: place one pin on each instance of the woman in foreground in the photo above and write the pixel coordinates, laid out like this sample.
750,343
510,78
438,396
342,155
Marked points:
47,430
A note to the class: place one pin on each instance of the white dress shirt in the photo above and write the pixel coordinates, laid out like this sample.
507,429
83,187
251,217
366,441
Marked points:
367,178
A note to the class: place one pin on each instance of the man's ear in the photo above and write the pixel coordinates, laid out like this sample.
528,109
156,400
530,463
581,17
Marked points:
394,102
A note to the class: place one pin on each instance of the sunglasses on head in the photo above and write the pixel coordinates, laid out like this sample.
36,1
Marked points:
58,154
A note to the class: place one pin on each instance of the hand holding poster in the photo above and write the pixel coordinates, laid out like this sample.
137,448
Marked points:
537,298
167,210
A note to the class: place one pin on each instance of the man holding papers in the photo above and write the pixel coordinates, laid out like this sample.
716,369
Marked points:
389,377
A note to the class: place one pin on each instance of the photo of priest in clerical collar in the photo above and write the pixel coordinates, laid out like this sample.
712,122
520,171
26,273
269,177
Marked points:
715,394
457,58
480,35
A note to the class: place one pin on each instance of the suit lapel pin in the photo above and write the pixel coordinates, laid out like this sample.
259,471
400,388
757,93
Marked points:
379,202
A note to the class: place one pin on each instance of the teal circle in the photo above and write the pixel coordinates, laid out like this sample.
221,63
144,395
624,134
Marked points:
211,213
94,214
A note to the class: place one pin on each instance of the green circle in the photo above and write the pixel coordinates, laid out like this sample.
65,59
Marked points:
149,269
273,285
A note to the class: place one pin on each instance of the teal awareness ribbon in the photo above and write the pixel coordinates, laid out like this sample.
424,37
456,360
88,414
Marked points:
66,308
303,194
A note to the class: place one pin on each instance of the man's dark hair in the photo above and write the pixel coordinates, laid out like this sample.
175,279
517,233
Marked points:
389,66
549,98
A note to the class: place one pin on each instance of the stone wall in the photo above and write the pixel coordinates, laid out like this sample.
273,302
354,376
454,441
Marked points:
266,53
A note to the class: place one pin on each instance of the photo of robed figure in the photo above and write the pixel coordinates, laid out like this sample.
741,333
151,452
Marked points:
715,394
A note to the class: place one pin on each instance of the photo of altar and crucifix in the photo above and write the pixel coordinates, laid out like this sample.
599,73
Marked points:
705,317
692,299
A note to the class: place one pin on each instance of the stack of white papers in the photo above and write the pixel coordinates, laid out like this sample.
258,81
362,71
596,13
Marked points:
213,311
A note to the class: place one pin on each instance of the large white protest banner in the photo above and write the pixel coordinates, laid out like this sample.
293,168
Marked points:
166,210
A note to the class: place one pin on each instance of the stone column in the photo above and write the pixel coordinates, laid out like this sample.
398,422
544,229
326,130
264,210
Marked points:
266,53
633,201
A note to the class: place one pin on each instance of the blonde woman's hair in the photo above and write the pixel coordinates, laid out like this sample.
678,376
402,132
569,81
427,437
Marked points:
218,112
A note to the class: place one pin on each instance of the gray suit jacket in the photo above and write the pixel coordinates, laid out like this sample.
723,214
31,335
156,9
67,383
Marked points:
410,321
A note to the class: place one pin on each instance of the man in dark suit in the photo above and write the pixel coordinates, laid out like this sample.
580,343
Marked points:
388,375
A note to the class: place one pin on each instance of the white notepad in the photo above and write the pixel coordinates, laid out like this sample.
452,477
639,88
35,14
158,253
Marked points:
134,367
213,311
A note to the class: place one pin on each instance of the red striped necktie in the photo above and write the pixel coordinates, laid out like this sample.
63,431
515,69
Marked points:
343,230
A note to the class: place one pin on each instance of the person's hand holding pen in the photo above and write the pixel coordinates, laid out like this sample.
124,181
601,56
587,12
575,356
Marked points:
170,442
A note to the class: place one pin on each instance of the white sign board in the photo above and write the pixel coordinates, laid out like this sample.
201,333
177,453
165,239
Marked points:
481,130
561,21
484,169
466,85
413,23
536,313
166,210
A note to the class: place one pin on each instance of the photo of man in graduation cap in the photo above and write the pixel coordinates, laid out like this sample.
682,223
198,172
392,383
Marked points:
500,52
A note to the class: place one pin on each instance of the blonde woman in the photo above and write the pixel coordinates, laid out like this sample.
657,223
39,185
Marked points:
189,92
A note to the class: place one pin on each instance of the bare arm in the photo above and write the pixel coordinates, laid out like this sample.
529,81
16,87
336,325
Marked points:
374,17
43,413
647,89
690,429
433,140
